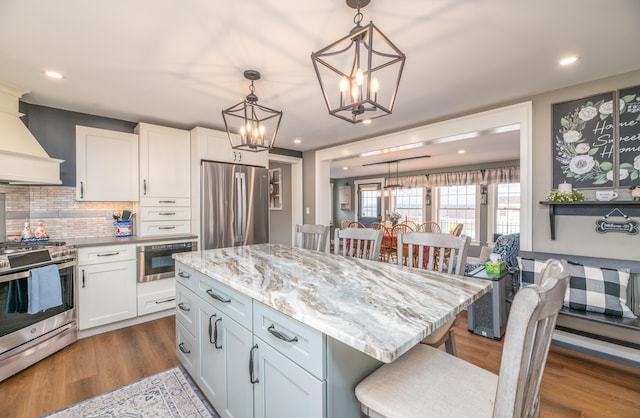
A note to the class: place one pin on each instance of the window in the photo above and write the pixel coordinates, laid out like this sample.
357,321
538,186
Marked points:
409,203
457,205
369,201
506,216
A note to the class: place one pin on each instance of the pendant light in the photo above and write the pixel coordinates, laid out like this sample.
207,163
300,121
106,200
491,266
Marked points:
250,126
360,73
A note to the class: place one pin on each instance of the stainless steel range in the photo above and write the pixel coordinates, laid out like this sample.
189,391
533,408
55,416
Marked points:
26,338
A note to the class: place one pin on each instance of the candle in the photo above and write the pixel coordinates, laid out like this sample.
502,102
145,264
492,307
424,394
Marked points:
564,187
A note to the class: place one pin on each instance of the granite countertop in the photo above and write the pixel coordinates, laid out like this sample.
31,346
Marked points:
377,308
112,240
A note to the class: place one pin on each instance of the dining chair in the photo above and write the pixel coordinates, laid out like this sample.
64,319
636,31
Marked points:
345,224
429,226
426,250
358,242
312,237
427,382
411,224
401,228
457,231
355,224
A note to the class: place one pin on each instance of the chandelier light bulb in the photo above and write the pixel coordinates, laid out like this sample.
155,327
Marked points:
374,85
354,92
344,84
359,77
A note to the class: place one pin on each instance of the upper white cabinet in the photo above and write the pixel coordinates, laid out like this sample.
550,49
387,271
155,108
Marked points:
212,145
164,162
106,165
165,181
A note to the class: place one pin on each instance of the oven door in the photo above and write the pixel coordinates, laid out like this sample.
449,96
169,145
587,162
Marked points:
17,326
155,261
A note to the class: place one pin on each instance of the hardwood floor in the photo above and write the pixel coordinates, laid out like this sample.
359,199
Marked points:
89,367
573,385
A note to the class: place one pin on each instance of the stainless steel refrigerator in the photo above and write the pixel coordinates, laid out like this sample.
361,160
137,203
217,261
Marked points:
234,205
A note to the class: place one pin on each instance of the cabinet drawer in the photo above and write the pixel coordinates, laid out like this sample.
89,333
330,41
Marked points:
186,349
186,276
297,341
186,308
155,296
106,254
165,201
231,302
160,213
160,228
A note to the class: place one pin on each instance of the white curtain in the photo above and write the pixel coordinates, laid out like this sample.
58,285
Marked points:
412,181
461,178
502,175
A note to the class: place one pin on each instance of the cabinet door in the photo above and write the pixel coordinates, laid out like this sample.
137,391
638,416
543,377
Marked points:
285,390
223,371
214,145
164,162
106,165
106,293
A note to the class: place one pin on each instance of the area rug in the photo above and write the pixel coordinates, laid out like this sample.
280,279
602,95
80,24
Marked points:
170,394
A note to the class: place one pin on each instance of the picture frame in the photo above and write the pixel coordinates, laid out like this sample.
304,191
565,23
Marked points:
629,137
275,189
584,142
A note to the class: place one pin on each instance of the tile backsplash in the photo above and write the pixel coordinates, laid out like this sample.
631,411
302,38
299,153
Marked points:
62,216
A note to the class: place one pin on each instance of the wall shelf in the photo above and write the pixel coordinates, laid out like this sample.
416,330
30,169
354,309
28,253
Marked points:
589,208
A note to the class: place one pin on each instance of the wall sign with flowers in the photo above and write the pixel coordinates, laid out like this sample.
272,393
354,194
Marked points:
591,150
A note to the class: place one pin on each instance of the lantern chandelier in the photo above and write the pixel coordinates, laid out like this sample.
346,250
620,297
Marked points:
250,126
359,74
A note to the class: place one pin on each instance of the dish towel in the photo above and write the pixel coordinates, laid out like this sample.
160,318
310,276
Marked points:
17,298
44,288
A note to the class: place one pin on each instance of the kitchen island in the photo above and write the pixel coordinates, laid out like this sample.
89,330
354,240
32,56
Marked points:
306,326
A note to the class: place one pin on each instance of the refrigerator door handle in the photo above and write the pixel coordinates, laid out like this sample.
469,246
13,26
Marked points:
241,208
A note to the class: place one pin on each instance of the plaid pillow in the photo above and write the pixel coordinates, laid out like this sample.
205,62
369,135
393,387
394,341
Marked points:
529,270
598,289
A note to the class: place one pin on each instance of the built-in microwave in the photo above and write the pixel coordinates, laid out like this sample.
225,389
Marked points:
155,261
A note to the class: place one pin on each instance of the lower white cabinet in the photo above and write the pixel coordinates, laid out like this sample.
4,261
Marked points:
223,370
283,389
243,375
106,285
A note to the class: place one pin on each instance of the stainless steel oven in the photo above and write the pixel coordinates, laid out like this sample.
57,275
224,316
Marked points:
155,261
26,338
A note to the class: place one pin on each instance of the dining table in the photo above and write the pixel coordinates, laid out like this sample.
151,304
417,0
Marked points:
370,309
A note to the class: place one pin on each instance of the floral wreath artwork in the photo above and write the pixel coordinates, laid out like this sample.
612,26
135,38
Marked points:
585,141
585,159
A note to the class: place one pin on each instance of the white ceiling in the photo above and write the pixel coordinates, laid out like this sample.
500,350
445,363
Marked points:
179,63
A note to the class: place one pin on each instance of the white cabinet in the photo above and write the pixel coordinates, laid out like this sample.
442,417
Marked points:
284,389
106,165
253,361
156,296
106,285
165,181
223,369
213,145
344,197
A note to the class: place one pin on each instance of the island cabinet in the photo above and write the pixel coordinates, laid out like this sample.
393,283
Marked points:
248,359
106,285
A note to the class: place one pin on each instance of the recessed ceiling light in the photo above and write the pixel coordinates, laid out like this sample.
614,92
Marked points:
345,168
297,141
460,151
568,60
366,121
53,74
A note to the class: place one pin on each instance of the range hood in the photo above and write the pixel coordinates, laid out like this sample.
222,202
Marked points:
22,158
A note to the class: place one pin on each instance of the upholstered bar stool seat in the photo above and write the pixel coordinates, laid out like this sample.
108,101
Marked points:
427,382
394,391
